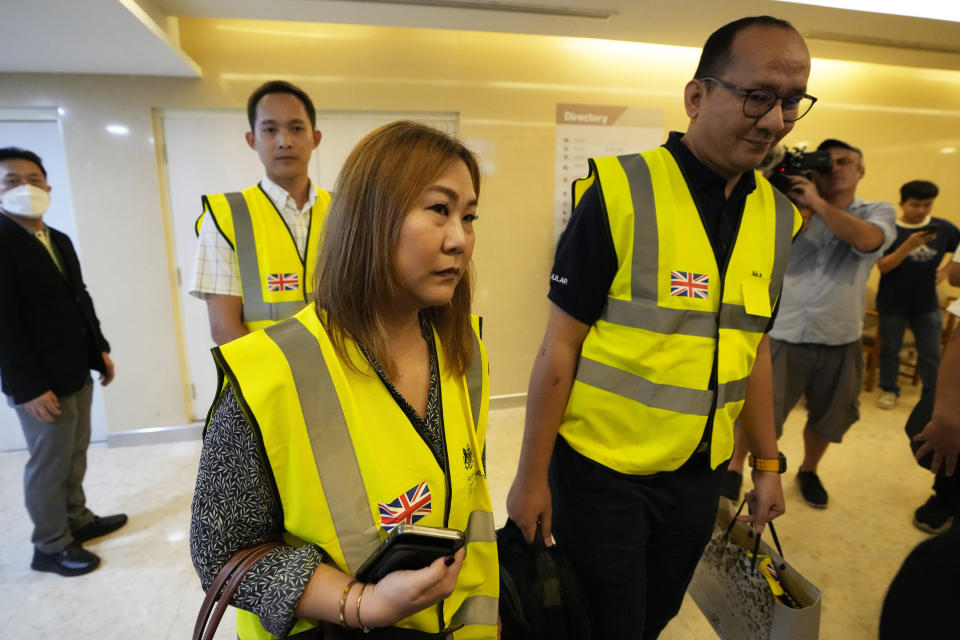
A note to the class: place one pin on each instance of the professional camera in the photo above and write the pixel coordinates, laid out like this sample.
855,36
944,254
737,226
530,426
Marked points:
782,162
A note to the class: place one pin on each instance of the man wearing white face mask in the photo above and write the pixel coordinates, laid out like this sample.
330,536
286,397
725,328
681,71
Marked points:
50,339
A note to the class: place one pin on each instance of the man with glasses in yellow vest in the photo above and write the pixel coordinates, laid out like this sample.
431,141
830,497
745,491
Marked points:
258,247
663,290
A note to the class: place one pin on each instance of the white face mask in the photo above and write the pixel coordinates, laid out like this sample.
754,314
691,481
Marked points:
26,200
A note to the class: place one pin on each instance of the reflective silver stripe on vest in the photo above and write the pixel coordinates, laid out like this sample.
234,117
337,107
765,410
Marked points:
658,396
330,441
784,239
480,527
475,381
255,309
732,391
734,316
646,245
476,610
645,314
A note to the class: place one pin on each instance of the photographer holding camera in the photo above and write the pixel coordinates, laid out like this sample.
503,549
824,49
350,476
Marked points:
815,340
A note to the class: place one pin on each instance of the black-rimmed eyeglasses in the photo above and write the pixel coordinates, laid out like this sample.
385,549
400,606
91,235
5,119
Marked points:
758,102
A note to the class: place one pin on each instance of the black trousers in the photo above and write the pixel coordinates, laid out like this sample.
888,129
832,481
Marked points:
946,487
923,598
633,540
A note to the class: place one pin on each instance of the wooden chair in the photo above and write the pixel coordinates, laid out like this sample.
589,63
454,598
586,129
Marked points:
950,322
908,366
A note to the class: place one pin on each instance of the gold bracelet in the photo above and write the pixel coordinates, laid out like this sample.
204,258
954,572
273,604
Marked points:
343,602
359,598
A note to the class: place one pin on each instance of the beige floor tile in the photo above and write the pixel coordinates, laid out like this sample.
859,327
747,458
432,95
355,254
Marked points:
147,588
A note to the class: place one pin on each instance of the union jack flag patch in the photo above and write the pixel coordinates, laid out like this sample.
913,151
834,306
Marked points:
689,285
411,506
283,281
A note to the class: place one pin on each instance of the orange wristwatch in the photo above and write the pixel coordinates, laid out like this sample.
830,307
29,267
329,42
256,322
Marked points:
778,464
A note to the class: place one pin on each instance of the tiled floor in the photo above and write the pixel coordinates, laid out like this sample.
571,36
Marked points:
146,587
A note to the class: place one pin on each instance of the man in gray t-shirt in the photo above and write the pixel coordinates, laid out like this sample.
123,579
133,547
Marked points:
815,341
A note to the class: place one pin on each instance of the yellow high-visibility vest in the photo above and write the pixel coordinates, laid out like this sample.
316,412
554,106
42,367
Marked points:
339,447
641,397
275,281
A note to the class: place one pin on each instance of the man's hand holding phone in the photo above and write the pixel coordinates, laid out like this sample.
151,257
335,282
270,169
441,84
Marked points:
921,237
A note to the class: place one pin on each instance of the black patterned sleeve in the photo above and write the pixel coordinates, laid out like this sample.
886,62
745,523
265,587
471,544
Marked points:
236,506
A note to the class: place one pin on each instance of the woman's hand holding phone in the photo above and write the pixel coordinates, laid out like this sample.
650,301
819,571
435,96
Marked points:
402,593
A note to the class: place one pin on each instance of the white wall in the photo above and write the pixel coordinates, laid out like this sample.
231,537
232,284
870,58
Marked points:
37,129
118,231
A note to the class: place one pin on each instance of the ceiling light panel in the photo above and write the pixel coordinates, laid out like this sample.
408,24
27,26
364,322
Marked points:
946,10
510,7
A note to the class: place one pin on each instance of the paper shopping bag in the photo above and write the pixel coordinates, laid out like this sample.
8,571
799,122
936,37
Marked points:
737,599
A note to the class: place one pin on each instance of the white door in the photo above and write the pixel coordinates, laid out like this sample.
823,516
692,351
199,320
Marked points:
38,130
206,153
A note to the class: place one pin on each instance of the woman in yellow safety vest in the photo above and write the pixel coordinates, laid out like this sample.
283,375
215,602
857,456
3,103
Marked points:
364,411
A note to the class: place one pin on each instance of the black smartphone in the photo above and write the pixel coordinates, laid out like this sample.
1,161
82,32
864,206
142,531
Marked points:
931,228
409,546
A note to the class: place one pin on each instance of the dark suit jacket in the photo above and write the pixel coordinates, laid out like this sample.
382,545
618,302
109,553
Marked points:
50,337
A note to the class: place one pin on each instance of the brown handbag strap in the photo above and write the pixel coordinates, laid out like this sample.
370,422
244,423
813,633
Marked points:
216,587
223,587
231,588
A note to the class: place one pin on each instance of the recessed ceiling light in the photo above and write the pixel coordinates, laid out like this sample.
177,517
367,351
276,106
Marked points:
948,150
947,10
118,129
511,7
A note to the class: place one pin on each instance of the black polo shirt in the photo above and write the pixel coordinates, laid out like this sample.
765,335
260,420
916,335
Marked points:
586,261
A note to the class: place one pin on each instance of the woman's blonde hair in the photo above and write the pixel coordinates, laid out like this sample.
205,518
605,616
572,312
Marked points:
381,180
